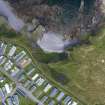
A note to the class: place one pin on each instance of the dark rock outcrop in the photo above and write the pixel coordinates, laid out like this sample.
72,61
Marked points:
63,16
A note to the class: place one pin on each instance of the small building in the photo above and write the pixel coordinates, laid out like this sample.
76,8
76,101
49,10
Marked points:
1,93
47,88
35,77
21,77
9,101
67,99
54,92
14,71
8,65
12,51
2,79
15,100
1,51
4,91
20,56
24,62
31,71
33,88
3,47
70,102
39,81
8,88
20,92
3,60
60,96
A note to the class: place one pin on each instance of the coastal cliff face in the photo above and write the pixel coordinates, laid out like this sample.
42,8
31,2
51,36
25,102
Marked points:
72,19
62,16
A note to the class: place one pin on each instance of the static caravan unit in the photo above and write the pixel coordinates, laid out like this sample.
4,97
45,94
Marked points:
60,96
47,88
35,77
12,51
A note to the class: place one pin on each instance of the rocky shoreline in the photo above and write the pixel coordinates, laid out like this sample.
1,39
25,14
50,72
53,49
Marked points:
41,18
58,19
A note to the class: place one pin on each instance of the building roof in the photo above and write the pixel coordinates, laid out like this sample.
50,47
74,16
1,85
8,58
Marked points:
54,92
60,96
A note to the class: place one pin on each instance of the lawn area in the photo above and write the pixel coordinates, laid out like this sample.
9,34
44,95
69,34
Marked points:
25,101
85,70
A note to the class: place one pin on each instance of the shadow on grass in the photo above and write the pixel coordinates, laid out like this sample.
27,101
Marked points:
59,77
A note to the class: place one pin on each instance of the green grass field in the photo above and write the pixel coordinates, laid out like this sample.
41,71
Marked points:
85,70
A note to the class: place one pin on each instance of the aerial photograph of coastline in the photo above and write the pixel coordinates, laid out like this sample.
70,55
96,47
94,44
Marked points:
52,52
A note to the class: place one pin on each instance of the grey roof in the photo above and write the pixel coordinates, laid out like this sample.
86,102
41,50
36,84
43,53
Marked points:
67,99
60,96
54,92
9,101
